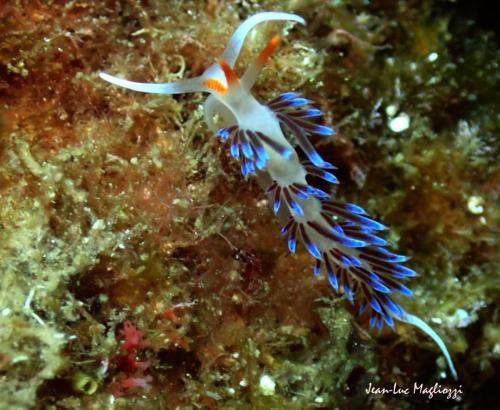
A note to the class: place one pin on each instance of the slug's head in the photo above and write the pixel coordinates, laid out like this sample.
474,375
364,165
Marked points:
225,84
226,81
206,82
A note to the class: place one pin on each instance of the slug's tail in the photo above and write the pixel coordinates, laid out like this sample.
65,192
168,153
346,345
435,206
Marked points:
424,327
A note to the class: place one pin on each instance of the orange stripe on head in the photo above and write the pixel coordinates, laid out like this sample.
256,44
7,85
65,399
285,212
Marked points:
231,76
266,53
215,85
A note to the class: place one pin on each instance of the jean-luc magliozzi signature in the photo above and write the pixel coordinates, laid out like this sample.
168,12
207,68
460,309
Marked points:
451,393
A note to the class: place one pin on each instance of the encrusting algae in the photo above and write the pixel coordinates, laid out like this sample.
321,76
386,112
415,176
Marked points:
138,271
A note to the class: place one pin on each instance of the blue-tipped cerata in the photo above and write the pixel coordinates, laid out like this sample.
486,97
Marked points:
323,130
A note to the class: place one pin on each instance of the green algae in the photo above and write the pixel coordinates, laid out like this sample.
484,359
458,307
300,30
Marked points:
122,206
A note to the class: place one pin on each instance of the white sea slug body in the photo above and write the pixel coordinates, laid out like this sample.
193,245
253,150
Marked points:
340,236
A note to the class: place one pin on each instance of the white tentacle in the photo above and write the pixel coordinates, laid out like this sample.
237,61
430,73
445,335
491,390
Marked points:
236,41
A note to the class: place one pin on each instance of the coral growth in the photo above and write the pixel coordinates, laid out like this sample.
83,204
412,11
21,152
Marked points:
131,370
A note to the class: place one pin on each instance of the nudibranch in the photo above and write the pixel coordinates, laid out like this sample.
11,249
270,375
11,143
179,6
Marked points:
340,236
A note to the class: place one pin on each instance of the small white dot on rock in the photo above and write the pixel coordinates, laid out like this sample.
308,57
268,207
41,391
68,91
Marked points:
400,123
432,57
391,110
267,385
475,205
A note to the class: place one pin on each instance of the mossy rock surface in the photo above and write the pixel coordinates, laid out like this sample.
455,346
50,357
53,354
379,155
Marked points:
120,207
